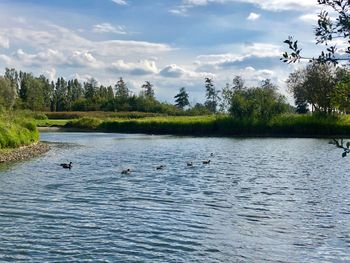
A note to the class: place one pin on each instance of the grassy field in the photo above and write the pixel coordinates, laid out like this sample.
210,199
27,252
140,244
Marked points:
291,125
17,129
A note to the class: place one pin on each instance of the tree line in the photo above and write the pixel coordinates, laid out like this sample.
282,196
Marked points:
323,88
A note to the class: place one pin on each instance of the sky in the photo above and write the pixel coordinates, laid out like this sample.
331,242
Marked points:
171,43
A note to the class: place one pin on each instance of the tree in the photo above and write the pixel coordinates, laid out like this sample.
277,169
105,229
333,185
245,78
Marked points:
227,92
7,93
13,76
181,99
212,95
121,90
314,85
341,95
90,87
148,90
261,103
328,28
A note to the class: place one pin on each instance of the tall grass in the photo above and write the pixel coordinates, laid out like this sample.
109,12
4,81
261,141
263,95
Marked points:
16,130
98,114
290,125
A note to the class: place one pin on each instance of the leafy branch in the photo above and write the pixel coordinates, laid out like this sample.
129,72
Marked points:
326,31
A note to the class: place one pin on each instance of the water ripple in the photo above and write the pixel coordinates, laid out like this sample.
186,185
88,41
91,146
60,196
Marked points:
248,205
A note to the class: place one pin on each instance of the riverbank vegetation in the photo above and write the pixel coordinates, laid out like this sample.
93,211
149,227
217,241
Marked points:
17,130
284,125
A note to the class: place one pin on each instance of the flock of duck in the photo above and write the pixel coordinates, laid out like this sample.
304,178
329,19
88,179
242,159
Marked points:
128,170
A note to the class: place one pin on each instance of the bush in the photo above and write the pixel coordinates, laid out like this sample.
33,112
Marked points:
16,130
84,123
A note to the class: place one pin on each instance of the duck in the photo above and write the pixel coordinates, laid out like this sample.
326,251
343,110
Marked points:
211,154
66,165
126,171
160,167
190,164
206,162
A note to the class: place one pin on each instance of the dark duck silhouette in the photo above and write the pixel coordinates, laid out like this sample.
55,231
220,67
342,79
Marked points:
66,165
190,164
206,162
126,171
160,167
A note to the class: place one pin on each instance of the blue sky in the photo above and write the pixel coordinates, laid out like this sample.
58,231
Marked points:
172,43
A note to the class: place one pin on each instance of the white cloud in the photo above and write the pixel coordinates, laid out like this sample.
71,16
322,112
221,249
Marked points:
6,59
277,5
108,28
175,71
120,2
144,67
67,41
50,73
253,16
272,5
179,11
261,50
47,57
83,59
4,42
309,18
52,57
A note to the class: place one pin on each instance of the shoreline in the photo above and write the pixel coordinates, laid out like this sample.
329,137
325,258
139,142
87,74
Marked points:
23,153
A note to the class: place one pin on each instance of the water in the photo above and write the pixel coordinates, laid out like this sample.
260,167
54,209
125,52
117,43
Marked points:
260,200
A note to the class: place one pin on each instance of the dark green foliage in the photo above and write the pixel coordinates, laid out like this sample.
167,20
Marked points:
148,90
279,125
212,95
260,103
324,87
181,99
85,123
7,93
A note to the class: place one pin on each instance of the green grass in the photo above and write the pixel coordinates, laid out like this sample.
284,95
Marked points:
98,114
51,123
16,130
290,125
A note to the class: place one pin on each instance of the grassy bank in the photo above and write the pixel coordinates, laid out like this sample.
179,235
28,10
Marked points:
17,129
290,125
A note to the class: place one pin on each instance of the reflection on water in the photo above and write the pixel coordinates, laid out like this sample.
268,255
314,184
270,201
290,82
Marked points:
259,200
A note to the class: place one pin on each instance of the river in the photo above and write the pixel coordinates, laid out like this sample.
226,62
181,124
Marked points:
259,200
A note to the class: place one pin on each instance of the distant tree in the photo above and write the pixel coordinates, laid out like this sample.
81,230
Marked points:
47,92
212,95
13,76
301,106
341,95
181,99
314,85
7,93
121,90
61,94
261,103
77,90
227,92
328,29
148,90
90,88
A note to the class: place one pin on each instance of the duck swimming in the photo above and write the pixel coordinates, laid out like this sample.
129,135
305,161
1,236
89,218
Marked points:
126,171
160,167
66,165
190,164
206,162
